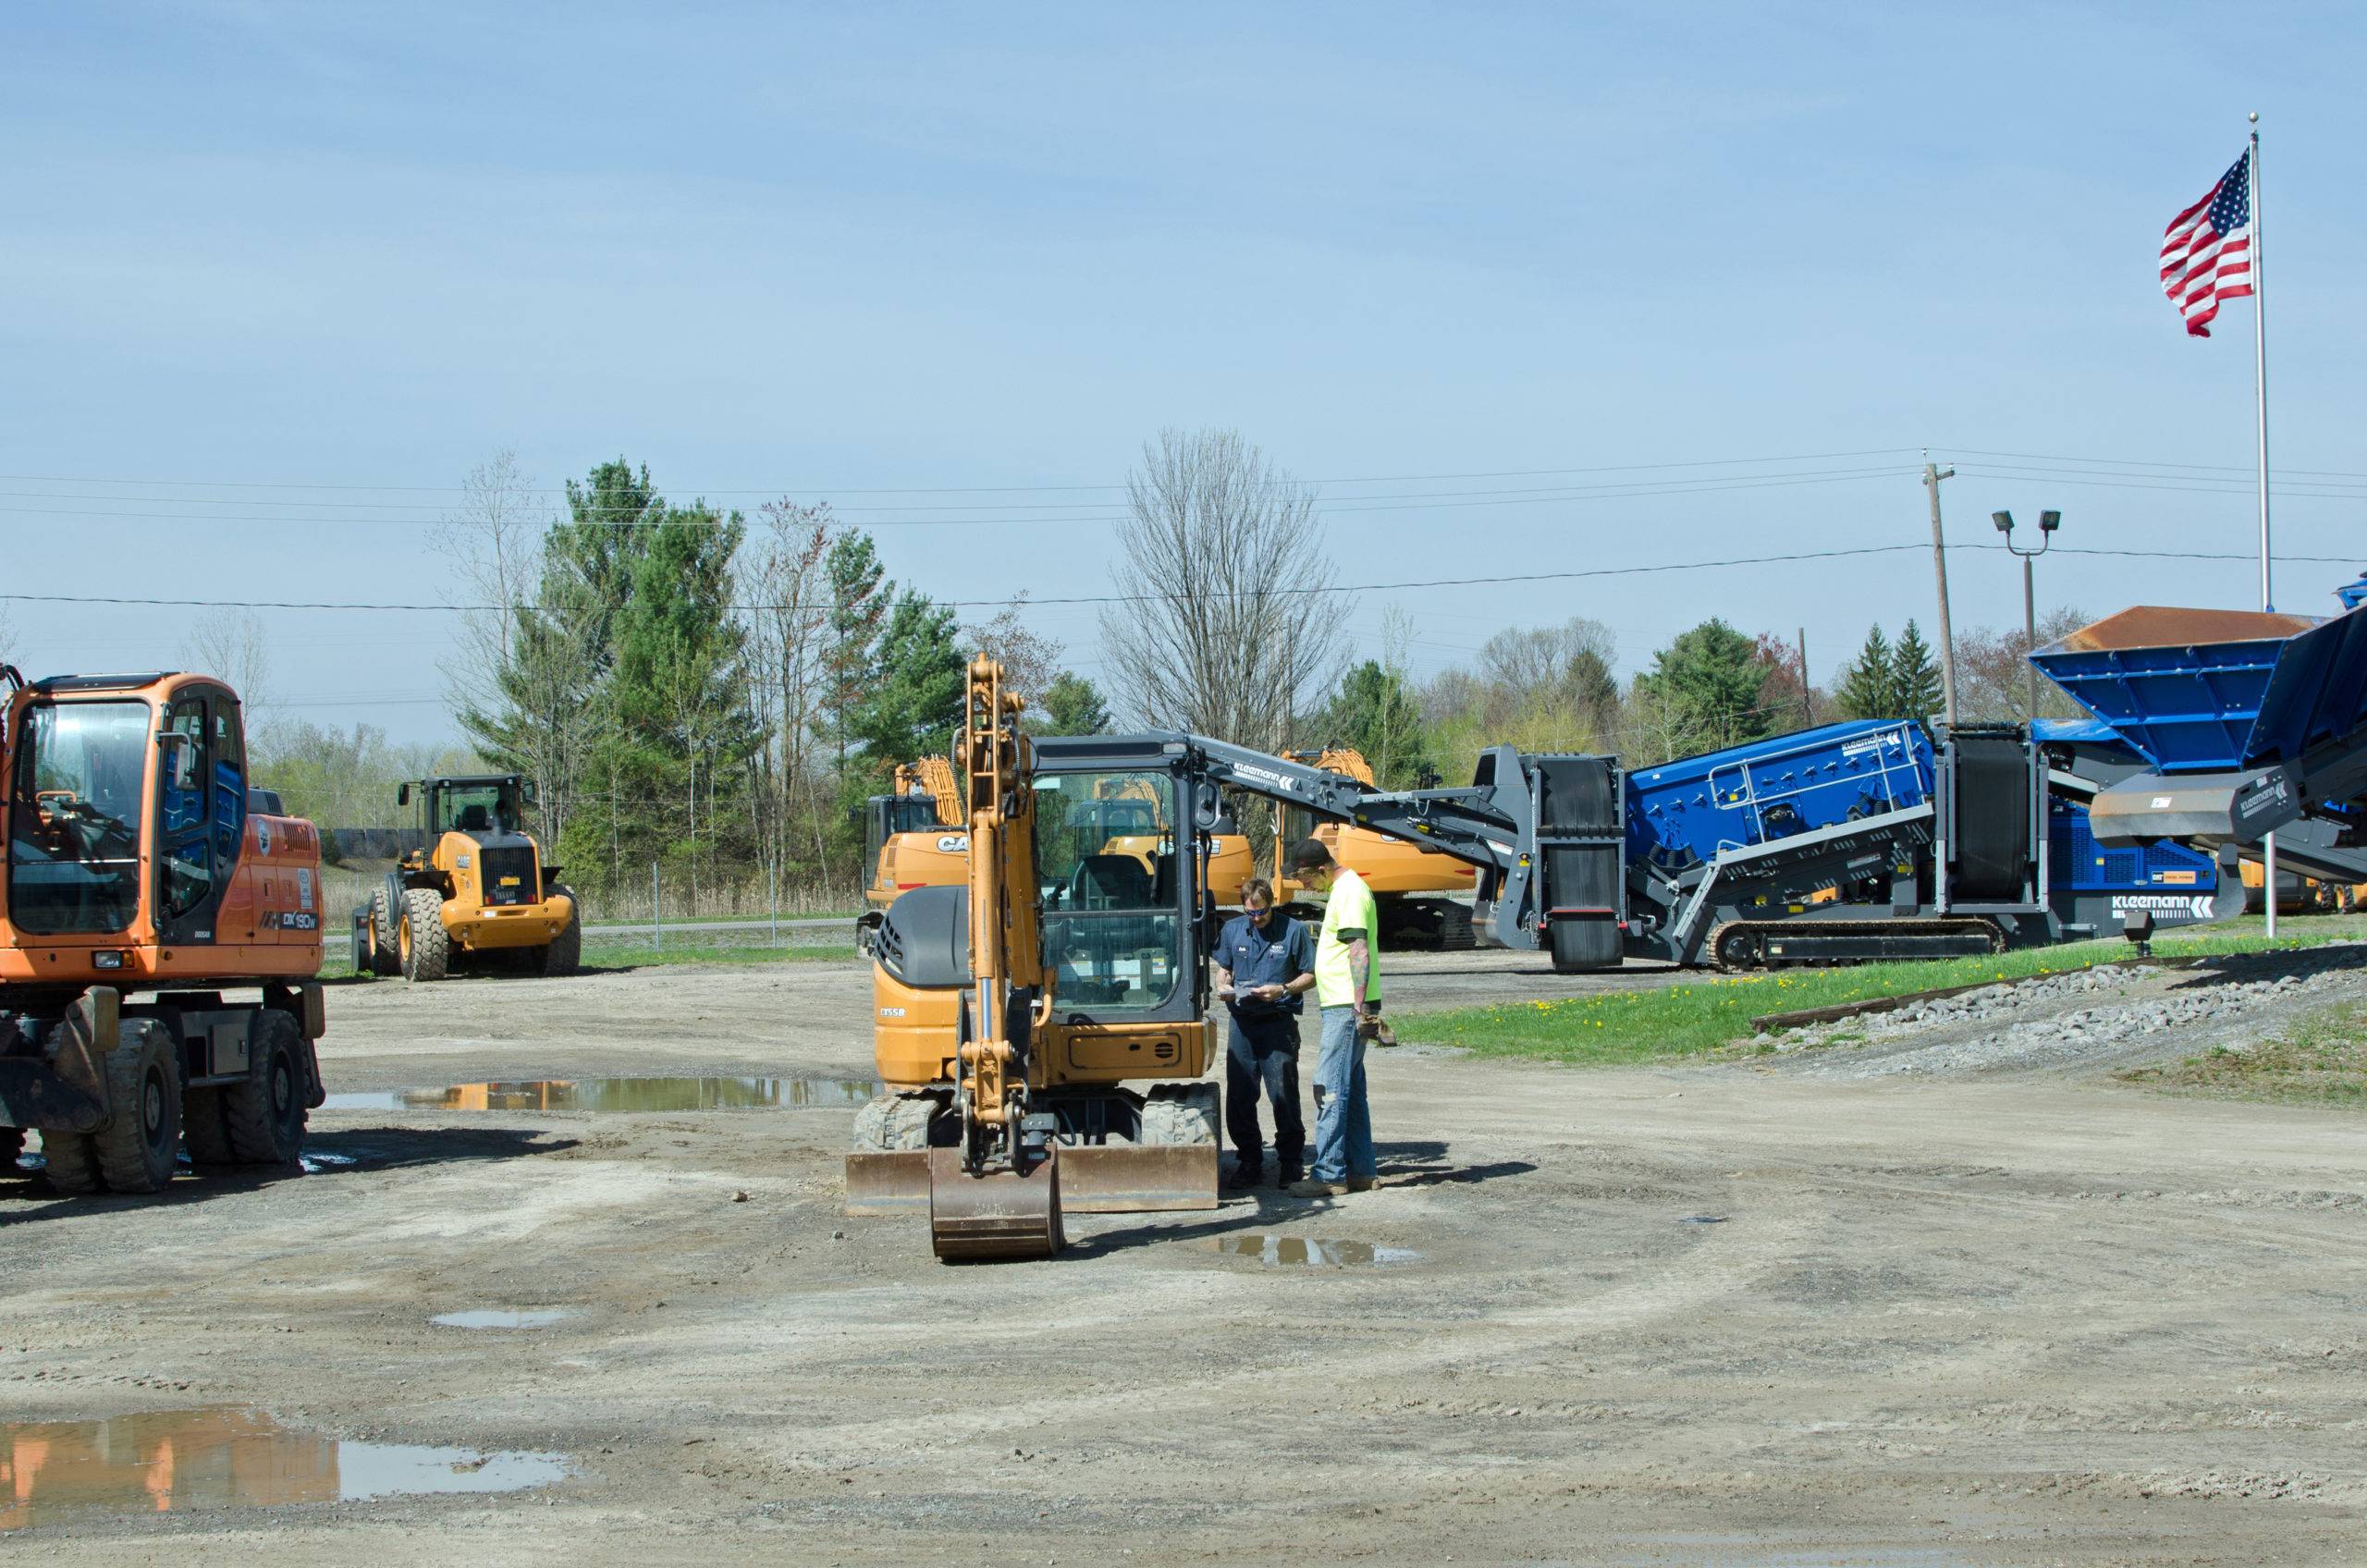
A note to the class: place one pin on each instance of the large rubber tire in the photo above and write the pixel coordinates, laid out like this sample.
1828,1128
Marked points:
565,955
265,1114
896,1122
137,1148
384,958
72,1162
427,949
204,1129
1181,1113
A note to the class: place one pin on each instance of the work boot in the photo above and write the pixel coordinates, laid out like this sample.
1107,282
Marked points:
1246,1176
1292,1175
1317,1187
1363,1183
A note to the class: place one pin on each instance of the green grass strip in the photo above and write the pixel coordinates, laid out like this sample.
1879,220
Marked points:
2320,1060
1703,1010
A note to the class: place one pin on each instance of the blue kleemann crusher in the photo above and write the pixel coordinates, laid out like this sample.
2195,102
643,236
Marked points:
1875,839
2247,722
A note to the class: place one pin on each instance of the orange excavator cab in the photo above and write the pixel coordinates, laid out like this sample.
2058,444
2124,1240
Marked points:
140,886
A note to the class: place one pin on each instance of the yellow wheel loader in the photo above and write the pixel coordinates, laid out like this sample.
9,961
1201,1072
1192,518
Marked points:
475,895
1042,1029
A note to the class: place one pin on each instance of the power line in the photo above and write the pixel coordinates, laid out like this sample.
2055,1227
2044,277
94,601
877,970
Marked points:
941,490
1026,600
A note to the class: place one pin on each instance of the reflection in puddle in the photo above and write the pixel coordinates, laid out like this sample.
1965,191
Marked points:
1315,1253
314,1164
624,1095
227,1457
491,1318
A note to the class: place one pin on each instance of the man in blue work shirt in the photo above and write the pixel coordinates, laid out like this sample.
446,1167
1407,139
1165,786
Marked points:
1265,965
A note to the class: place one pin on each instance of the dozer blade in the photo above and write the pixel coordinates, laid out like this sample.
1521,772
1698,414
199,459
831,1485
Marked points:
1095,1179
997,1216
887,1183
1139,1178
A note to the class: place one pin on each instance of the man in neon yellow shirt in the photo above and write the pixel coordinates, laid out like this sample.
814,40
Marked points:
1347,989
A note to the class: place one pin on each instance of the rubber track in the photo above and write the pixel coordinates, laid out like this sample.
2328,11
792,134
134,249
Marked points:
1847,928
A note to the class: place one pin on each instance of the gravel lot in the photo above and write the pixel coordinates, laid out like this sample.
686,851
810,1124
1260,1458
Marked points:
1943,1292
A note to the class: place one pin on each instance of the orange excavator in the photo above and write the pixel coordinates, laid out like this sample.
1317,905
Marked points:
141,890
1042,1031
1411,885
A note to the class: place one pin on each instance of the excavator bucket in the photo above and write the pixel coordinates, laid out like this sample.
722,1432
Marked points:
1095,1179
1001,1216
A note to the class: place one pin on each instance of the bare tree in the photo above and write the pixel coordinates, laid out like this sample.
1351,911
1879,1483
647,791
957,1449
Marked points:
790,646
1228,625
522,666
229,645
1030,660
494,537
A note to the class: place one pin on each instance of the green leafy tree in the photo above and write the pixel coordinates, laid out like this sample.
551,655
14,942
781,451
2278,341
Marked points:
1374,712
1915,690
911,705
1705,686
1869,682
1073,706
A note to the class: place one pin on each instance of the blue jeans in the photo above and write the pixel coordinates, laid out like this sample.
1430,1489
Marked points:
1343,1115
1263,1059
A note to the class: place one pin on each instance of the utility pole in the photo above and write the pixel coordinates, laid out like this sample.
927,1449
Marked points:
1808,695
1931,477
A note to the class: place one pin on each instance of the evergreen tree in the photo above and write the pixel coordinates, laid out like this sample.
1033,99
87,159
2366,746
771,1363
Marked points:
860,595
1707,683
1916,690
1374,712
1868,684
677,696
911,705
1073,706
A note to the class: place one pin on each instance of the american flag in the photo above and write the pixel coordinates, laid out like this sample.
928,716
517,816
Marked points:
2207,250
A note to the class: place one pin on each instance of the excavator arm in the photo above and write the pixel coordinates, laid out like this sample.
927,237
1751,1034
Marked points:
996,1195
1493,823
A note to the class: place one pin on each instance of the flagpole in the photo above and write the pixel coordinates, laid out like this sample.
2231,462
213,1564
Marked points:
2260,390
2260,360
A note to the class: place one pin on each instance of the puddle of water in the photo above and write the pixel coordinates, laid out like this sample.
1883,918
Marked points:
227,1457
1275,1250
489,1317
314,1164
1703,1219
624,1095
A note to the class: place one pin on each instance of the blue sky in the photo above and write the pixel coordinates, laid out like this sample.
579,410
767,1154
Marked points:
851,252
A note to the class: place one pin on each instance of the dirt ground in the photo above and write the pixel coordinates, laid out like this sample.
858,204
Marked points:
1749,1313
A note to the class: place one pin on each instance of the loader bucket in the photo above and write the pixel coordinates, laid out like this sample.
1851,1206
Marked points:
997,1216
1095,1179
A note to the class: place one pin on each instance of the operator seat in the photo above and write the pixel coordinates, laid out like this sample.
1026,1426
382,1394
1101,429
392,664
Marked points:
472,819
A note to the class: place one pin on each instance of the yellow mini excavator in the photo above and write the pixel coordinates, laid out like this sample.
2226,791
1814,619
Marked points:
475,892
1042,1029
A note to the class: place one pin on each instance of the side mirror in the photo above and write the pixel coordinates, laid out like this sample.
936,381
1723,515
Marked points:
403,794
1206,808
180,758
526,789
